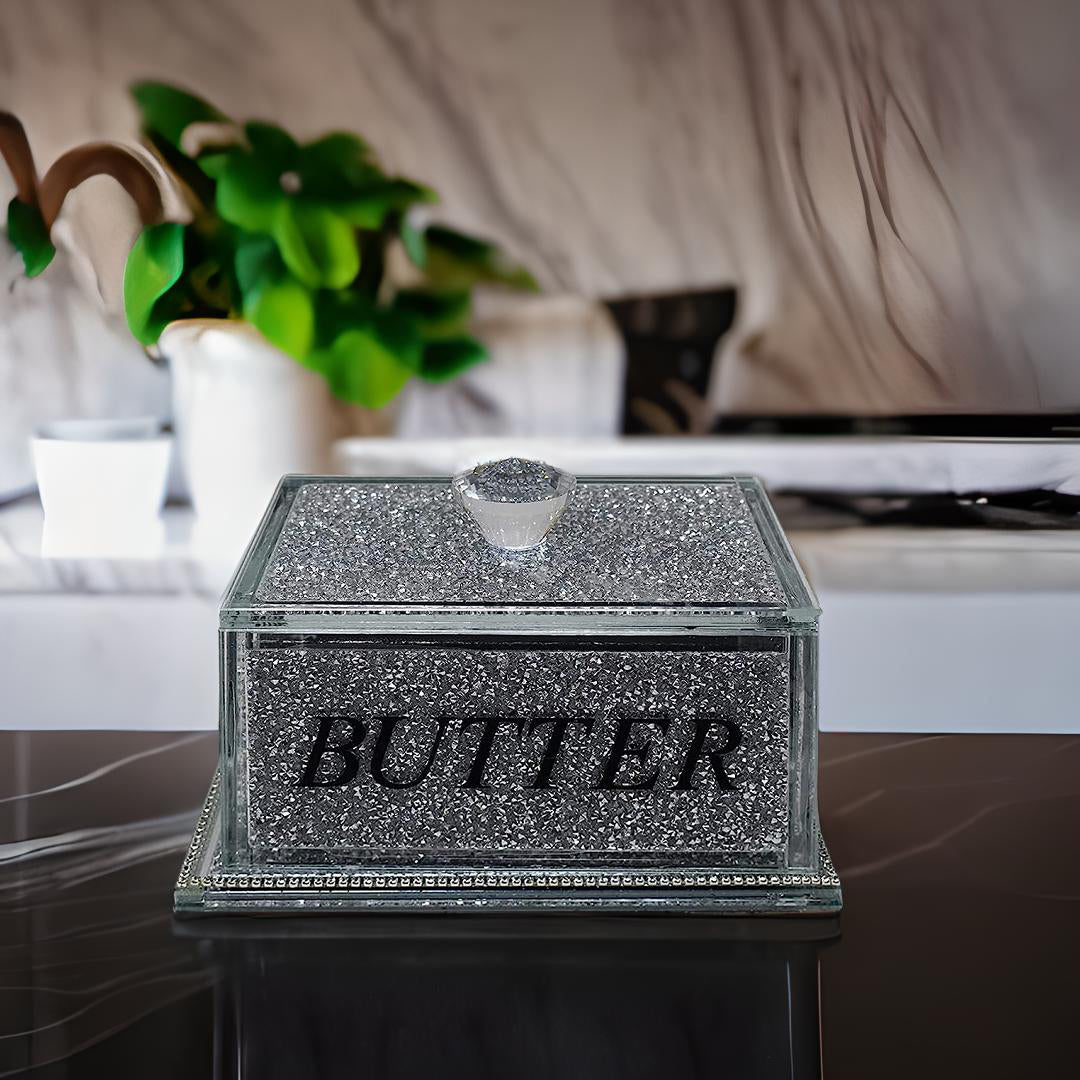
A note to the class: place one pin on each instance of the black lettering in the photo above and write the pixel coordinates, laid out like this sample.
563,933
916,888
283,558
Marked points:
346,749
554,745
623,748
475,779
731,740
382,744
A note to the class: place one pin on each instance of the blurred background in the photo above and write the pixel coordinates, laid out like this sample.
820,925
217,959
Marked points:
834,244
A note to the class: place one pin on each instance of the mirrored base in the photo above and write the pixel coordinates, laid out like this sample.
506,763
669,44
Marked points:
527,997
205,887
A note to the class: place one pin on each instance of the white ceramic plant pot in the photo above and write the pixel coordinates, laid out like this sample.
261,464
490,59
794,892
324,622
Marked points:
101,483
245,413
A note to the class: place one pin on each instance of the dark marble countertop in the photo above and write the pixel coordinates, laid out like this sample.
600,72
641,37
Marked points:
956,954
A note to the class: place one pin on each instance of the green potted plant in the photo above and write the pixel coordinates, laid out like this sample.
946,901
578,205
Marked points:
301,272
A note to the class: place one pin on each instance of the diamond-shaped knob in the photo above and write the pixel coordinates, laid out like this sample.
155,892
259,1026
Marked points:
514,502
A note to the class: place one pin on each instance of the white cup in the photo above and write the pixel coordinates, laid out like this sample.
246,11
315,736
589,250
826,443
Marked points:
102,483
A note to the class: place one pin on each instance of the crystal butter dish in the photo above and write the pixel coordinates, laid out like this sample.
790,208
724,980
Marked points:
515,691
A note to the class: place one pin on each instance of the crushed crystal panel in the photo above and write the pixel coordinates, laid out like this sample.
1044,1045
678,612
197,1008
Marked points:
616,543
290,689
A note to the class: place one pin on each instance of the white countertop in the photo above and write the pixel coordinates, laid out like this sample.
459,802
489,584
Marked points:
923,629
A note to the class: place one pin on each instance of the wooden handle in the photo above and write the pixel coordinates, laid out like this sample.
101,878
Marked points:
100,159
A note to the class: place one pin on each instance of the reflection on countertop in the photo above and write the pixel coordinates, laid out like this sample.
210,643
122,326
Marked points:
955,954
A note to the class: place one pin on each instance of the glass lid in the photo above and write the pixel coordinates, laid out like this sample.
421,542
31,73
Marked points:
520,536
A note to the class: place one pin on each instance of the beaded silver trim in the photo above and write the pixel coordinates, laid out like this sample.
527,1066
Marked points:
387,880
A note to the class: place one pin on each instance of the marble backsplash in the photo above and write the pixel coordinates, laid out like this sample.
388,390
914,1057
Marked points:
890,186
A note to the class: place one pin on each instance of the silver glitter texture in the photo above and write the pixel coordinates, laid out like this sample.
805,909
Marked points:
651,543
290,686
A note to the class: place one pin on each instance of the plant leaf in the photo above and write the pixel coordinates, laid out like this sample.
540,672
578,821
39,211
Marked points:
462,245
399,333
28,235
438,314
318,246
153,267
214,162
335,162
366,353
457,260
281,308
283,311
361,369
167,110
443,360
367,207
275,147
406,192
256,260
367,211
338,311
249,193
